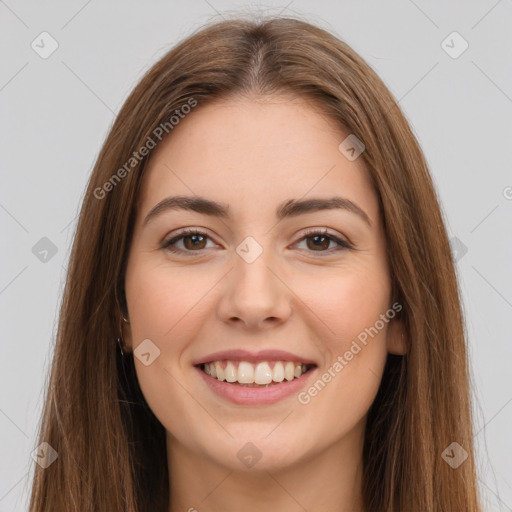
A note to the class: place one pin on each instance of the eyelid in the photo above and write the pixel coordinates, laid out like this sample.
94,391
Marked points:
325,232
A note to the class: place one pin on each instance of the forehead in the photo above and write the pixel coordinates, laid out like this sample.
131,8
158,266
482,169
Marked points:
254,153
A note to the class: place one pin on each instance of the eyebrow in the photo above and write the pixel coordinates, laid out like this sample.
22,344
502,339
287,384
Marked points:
290,208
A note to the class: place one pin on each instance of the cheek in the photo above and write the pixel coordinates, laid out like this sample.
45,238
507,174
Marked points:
164,304
345,302
163,299
350,307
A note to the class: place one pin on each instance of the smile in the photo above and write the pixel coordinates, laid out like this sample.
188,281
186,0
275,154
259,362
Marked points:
247,374
255,384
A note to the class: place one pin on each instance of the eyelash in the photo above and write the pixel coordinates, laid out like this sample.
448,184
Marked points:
167,245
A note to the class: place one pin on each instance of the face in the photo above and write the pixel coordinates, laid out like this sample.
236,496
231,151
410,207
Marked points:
259,287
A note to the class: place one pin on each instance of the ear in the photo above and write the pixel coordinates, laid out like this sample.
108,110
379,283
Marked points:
396,338
126,331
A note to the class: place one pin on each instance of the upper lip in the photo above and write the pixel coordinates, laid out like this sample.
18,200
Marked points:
253,357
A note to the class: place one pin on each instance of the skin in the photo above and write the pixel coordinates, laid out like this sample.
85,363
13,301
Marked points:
253,153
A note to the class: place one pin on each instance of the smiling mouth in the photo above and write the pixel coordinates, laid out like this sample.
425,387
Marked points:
255,375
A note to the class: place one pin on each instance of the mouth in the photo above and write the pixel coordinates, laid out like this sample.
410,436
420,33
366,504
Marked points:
262,374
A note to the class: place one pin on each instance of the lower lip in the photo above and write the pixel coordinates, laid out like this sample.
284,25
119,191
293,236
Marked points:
242,395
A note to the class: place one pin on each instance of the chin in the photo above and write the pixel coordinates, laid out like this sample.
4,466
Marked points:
252,450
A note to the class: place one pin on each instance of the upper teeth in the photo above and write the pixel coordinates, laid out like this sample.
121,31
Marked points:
248,373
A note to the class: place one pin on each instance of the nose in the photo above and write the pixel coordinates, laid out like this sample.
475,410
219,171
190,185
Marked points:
256,294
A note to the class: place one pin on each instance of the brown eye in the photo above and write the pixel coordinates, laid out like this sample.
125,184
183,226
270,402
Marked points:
318,242
193,241
196,241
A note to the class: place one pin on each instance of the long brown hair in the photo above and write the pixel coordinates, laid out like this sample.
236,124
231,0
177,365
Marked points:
111,448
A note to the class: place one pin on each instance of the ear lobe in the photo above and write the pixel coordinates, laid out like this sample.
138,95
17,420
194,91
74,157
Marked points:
126,331
396,339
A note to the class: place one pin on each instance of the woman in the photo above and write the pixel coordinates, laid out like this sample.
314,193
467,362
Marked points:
262,238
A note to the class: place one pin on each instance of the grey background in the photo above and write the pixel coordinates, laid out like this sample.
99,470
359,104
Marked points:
56,113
